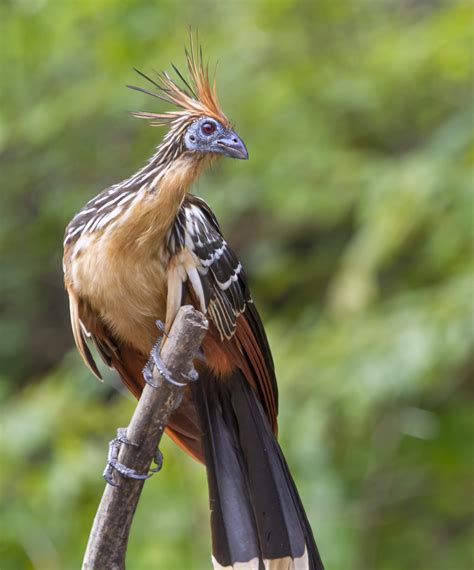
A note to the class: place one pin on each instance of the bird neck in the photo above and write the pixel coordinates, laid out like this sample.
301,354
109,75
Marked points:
167,159
159,189
145,203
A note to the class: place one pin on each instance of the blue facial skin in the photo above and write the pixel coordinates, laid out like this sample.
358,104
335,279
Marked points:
208,135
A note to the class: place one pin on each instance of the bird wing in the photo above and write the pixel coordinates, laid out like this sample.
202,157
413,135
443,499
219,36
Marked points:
203,265
87,326
81,333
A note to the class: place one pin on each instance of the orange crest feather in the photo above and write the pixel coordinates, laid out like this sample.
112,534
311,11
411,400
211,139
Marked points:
198,97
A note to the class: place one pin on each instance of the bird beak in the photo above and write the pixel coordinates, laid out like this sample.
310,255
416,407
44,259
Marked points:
231,145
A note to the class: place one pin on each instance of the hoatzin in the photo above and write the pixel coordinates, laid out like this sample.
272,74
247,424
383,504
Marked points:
133,255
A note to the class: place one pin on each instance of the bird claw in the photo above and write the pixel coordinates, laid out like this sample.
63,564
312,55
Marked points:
123,470
191,376
158,459
114,465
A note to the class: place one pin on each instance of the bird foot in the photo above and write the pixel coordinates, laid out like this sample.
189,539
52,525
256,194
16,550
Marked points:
155,361
114,465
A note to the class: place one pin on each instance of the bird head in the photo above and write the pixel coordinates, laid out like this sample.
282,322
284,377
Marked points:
199,128
207,135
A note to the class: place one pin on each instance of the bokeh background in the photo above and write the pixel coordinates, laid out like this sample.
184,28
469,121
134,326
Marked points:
354,218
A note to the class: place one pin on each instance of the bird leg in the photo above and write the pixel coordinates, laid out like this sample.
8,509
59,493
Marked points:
122,439
160,325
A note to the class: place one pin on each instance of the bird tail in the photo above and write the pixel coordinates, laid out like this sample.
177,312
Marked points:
257,519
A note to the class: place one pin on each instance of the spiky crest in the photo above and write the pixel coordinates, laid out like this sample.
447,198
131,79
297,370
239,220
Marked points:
198,96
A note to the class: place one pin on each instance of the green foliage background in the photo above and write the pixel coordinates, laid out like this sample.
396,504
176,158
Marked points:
354,220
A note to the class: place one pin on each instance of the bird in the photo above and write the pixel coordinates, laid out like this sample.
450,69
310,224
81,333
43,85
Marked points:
137,252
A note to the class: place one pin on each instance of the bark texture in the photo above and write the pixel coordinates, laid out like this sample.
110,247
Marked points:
107,545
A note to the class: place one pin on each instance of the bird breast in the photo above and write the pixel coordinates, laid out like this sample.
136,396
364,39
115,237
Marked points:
121,270
128,291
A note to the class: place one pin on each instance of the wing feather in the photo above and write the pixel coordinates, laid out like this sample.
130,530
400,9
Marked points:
217,281
79,332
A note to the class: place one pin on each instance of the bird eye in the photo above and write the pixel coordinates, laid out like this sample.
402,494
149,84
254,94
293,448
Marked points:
208,128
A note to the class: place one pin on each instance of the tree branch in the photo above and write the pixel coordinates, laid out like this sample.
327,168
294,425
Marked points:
108,539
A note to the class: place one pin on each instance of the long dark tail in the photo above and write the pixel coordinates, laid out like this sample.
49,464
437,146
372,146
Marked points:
256,514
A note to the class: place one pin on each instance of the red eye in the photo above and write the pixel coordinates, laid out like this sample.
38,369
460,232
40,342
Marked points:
208,128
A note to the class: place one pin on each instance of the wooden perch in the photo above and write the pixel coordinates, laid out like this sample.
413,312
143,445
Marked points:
108,539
